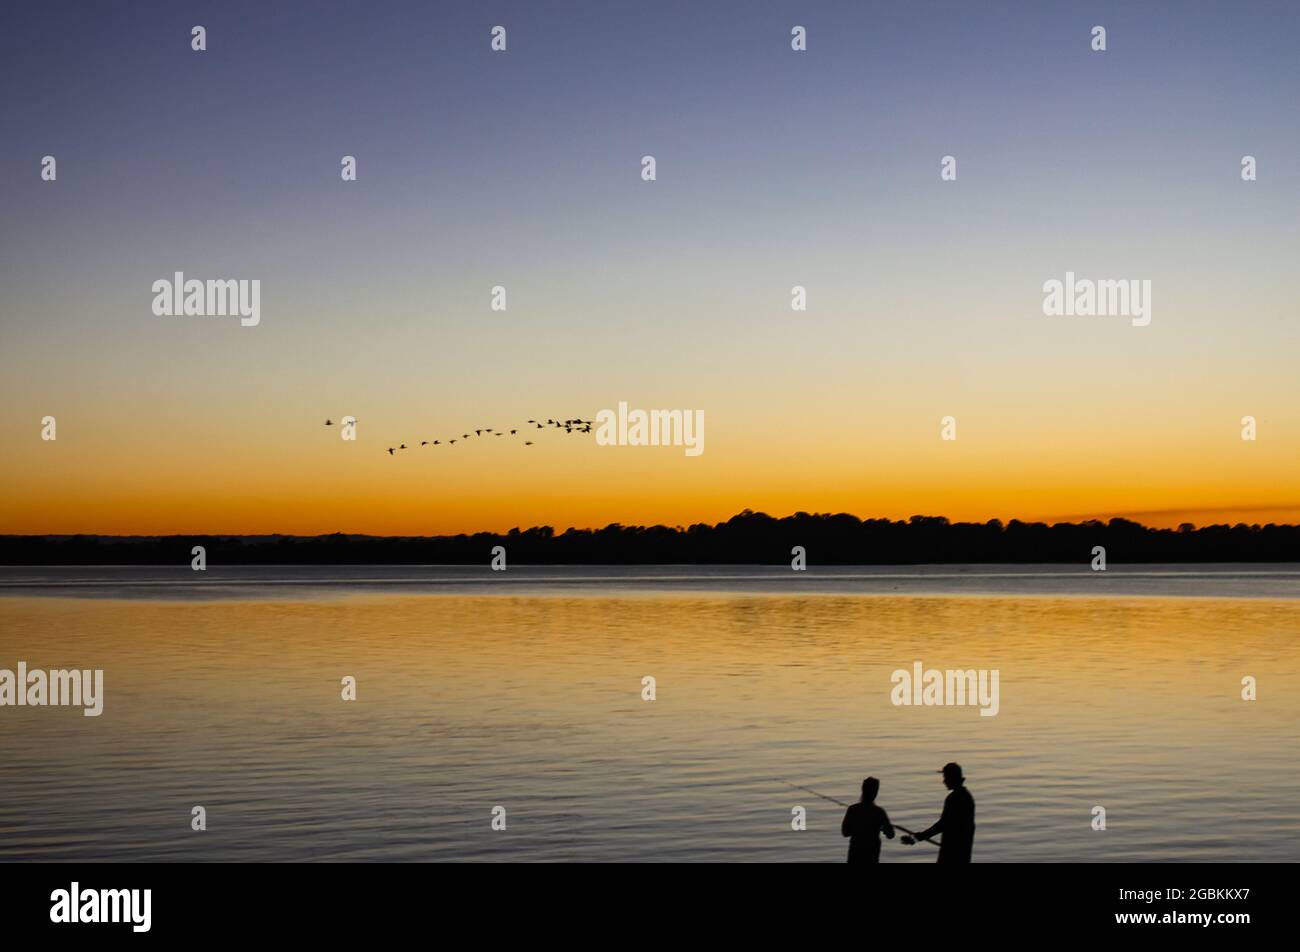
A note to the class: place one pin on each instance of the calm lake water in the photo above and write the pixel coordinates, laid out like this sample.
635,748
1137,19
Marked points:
523,689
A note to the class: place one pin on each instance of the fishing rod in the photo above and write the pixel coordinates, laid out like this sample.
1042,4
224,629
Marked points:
812,791
914,836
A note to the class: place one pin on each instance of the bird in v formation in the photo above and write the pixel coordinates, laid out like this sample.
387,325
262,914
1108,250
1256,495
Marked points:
574,425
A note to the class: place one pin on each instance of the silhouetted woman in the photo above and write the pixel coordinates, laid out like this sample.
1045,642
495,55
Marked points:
863,824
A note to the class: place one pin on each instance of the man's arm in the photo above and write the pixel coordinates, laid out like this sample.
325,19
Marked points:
939,826
844,825
886,827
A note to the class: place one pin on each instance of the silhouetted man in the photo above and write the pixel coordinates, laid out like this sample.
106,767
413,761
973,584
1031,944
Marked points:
957,822
863,824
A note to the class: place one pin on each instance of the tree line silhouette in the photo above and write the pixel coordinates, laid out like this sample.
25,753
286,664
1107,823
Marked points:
753,538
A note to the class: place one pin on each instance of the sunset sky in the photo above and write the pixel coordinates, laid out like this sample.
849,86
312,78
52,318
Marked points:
522,169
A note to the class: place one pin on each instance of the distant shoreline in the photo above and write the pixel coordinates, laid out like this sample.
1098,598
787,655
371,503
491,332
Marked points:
746,539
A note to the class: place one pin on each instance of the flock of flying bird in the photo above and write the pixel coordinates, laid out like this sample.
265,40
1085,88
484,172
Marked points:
568,426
